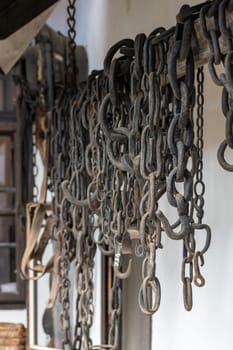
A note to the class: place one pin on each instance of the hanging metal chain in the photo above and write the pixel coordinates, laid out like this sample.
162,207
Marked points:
60,146
217,11
115,307
31,104
61,171
193,258
35,169
119,145
64,289
199,186
71,22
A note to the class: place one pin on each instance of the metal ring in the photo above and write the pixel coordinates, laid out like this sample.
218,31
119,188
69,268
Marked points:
221,157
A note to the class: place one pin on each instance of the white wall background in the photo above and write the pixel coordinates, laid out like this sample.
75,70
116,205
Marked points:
209,325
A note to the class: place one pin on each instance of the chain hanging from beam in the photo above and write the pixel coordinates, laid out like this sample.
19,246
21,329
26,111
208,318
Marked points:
131,137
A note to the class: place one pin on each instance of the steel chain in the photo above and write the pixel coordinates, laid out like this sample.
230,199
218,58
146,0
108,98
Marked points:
119,145
199,186
71,22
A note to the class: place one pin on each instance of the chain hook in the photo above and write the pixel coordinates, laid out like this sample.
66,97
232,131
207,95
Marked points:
198,260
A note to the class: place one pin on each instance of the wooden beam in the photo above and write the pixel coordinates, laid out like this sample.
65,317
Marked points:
202,52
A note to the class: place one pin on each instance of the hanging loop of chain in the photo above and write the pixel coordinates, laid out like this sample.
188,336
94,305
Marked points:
199,186
71,22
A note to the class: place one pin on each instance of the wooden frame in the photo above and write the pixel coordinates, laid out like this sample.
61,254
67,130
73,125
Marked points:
10,300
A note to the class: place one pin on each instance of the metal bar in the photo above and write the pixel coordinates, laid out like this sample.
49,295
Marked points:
7,245
5,189
7,212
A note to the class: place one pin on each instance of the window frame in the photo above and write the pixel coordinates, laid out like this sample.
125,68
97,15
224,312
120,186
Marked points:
8,300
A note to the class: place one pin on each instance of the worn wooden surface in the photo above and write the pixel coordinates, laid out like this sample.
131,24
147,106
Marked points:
202,52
